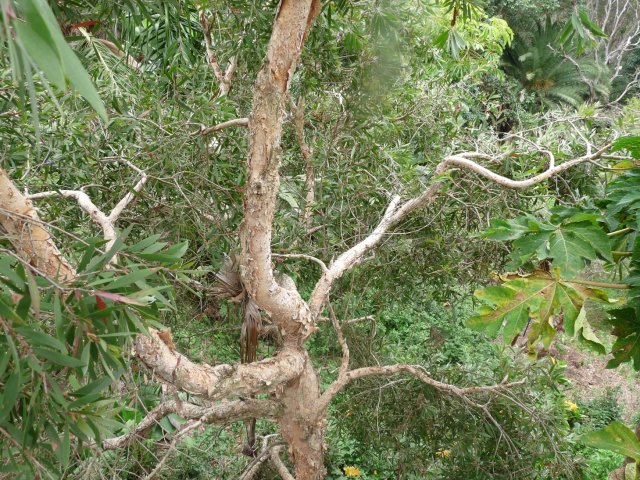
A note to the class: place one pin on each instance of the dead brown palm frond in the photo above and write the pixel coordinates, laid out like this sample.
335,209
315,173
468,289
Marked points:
250,331
228,284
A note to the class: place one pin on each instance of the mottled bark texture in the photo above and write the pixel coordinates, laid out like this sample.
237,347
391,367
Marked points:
31,240
288,311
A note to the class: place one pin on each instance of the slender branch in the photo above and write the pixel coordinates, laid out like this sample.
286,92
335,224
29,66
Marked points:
265,453
350,321
344,362
225,78
176,438
414,370
137,188
396,212
309,182
141,430
323,265
225,412
236,122
132,62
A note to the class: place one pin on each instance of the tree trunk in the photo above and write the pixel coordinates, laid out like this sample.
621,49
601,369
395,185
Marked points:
300,426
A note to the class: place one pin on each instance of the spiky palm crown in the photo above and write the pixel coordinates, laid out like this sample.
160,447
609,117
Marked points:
541,68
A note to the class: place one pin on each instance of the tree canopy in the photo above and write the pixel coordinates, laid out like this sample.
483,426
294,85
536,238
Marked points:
318,239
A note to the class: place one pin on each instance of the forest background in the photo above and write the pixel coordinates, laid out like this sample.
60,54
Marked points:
127,124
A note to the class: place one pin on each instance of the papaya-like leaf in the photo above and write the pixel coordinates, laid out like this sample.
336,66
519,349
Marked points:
541,300
570,242
626,327
615,437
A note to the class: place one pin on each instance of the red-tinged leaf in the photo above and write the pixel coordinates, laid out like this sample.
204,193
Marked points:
100,303
115,298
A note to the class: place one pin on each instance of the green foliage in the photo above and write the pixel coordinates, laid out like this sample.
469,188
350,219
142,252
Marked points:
601,410
550,68
581,30
615,437
384,104
39,45
571,240
418,433
65,351
534,303
626,328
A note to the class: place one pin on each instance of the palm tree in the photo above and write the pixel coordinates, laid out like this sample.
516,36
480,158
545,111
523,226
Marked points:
547,68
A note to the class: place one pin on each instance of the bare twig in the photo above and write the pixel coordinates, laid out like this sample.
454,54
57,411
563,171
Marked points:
323,265
309,182
414,370
225,78
344,363
236,122
265,453
224,412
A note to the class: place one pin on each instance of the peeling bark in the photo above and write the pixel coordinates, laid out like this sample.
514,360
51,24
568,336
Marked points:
220,381
286,307
25,230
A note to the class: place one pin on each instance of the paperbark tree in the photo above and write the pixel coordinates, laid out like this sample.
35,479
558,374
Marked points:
285,386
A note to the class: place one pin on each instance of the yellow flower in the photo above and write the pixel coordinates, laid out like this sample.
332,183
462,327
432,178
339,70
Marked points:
443,453
352,472
570,405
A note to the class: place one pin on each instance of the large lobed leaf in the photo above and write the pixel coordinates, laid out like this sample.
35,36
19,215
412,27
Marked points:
615,437
542,302
570,242
626,327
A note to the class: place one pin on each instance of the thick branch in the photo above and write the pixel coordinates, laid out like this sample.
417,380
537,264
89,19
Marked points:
396,212
32,241
220,381
286,307
224,412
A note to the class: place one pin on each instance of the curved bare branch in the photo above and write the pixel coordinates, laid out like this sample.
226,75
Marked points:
235,122
396,212
414,370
